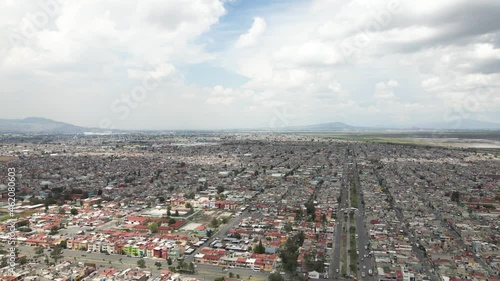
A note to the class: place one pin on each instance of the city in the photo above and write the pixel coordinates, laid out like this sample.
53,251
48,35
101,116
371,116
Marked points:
249,140
248,207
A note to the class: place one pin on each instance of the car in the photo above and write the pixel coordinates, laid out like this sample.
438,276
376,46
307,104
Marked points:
84,255
364,266
282,272
224,269
256,269
337,270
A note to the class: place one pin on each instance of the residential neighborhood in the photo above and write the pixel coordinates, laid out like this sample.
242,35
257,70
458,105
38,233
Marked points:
248,207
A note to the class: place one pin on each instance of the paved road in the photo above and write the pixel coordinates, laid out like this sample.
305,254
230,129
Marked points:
223,230
336,259
364,264
206,272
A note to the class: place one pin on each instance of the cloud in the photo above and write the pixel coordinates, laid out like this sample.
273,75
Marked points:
385,90
323,61
251,37
220,95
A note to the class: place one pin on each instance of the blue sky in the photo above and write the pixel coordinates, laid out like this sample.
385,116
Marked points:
214,64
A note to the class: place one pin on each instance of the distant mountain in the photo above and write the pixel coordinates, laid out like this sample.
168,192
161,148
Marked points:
40,125
463,124
332,126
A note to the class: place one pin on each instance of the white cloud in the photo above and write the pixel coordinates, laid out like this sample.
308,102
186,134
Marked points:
385,90
324,60
252,36
220,95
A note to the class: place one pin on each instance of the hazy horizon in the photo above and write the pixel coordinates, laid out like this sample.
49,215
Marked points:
224,64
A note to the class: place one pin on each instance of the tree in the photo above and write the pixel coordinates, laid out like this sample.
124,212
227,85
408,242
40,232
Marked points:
259,249
219,279
153,227
141,263
214,223
209,233
455,196
220,189
176,213
171,221
39,251
61,211
191,267
64,244
237,235
74,211
54,230
288,227
275,277
158,264
56,253
169,261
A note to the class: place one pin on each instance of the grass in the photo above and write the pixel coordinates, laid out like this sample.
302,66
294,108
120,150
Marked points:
353,255
16,216
343,253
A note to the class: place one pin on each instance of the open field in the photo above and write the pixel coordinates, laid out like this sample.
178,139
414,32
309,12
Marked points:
473,140
7,158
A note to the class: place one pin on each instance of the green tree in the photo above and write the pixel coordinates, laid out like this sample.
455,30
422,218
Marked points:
259,249
56,253
288,227
214,223
74,211
275,277
220,189
153,227
64,244
171,221
54,230
39,251
61,211
141,263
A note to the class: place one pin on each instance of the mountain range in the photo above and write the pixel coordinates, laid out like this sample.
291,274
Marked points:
33,125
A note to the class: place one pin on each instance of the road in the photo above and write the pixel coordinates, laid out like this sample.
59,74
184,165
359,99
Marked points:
222,232
206,272
364,264
336,255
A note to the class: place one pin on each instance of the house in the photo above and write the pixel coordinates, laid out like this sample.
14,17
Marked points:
313,275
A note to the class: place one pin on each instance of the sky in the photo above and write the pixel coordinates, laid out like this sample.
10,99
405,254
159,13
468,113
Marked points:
223,64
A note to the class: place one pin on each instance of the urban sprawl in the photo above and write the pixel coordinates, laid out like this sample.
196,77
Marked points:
245,206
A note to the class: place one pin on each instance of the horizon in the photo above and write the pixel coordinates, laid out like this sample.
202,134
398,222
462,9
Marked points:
227,64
